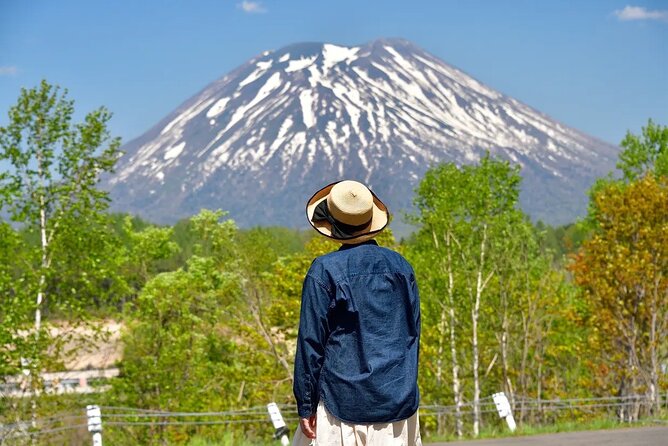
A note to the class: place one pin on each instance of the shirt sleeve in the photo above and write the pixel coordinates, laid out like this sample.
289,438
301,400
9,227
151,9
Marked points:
311,341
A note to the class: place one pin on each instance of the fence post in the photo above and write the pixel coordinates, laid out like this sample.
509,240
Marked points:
279,424
503,407
95,423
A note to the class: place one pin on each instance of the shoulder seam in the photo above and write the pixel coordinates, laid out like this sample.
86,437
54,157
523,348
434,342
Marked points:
375,273
320,283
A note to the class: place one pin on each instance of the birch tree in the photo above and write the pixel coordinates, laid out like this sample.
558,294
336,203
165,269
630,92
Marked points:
434,258
467,211
50,189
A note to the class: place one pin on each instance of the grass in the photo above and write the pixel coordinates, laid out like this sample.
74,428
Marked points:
229,440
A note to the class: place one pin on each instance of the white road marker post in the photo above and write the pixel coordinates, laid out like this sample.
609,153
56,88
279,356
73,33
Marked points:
95,423
282,430
503,407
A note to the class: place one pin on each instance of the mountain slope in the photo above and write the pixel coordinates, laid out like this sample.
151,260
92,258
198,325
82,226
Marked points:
260,140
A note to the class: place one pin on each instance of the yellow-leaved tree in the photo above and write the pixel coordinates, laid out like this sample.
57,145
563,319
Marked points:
623,269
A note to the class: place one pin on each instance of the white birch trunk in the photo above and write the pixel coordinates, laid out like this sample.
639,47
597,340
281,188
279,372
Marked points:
42,277
476,378
655,398
456,386
475,312
44,247
448,317
44,243
440,420
504,360
654,374
440,424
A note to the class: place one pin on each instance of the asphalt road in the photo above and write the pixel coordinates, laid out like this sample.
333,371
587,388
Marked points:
642,436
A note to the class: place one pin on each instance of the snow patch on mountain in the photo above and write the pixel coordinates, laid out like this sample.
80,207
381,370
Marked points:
306,101
300,64
175,151
217,108
333,54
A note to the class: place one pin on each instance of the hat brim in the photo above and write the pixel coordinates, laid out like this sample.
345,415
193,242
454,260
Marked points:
379,220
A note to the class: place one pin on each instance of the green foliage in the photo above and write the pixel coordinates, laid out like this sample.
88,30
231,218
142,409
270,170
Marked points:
144,249
55,163
179,353
262,247
490,298
641,155
15,311
645,153
561,241
466,215
50,193
216,334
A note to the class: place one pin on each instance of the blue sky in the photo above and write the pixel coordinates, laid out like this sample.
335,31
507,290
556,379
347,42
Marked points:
598,66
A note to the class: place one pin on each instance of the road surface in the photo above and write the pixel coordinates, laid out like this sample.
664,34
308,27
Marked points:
642,436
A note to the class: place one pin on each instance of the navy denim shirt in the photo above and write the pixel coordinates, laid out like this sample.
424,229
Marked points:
359,334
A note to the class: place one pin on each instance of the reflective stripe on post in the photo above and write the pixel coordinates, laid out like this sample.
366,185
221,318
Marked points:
282,431
503,407
95,423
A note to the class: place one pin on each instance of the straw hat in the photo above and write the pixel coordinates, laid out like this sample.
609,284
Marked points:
347,211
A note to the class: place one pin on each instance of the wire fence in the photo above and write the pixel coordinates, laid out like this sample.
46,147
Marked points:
523,406
127,425
534,412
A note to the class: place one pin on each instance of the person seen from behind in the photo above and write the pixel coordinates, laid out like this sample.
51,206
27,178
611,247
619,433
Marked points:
356,365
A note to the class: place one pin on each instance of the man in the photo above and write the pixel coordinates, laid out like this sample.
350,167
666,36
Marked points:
355,377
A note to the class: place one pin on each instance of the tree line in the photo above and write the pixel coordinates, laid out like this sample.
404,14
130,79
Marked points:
211,311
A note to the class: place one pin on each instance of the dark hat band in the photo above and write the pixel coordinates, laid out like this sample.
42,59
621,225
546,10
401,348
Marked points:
339,230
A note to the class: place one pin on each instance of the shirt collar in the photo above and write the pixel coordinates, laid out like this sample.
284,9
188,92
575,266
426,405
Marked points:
348,246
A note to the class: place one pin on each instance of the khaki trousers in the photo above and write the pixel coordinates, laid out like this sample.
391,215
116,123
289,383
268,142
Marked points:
330,431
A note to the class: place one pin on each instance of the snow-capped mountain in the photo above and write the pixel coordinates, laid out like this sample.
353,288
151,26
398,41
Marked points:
260,140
